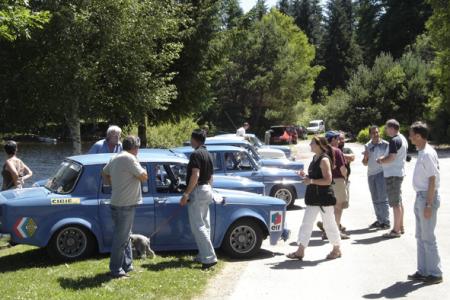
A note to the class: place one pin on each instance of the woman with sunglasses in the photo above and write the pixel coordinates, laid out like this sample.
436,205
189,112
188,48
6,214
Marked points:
319,198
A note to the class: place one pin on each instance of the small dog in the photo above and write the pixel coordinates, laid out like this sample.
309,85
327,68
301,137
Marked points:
141,246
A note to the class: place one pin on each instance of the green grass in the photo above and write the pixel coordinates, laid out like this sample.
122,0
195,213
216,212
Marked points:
27,273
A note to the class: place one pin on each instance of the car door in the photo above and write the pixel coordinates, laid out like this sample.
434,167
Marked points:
172,222
144,220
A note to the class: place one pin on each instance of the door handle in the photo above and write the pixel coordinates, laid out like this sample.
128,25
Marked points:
161,200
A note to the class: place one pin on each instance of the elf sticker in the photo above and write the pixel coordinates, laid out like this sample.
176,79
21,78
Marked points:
276,220
64,201
25,227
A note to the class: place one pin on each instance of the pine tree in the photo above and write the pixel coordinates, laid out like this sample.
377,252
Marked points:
231,12
367,15
308,16
284,6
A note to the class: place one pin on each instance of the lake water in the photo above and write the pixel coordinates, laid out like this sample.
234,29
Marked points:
43,159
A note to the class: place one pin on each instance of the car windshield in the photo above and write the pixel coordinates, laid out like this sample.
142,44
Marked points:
313,124
255,141
65,178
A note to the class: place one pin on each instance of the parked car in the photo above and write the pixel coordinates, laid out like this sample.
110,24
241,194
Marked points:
234,161
302,132
283,134
265,151
316,126
71,215
277,163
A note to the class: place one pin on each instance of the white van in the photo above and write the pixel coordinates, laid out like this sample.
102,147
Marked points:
316,126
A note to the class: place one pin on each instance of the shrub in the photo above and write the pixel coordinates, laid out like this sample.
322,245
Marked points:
170,134
364,135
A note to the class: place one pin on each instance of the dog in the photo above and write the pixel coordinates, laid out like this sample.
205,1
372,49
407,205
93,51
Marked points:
141,246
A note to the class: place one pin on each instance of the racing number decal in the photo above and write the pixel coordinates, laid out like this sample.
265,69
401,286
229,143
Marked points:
64,201
276,221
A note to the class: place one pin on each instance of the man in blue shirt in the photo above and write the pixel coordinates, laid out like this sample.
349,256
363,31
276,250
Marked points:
111,144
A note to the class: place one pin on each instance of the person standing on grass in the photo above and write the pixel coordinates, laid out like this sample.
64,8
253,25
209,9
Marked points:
426,181
242,130
393,163
125,174
319,198
199,195
111,144
339,173
14,171
374,149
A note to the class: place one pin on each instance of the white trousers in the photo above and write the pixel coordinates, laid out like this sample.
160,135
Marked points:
329,224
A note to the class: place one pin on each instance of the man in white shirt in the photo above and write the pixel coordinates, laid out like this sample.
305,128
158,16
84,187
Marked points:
241,131
426,184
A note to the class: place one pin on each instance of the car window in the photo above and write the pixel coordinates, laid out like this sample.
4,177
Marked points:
170,178
312,124
65,179
106,188
215,158
238,160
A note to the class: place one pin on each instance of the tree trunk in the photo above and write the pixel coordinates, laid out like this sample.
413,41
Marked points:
73,123
142,131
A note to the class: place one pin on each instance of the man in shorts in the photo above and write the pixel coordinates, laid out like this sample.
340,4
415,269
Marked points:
393,163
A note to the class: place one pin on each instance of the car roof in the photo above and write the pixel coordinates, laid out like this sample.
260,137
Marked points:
145,155
221,141
282,126
188,149
316,121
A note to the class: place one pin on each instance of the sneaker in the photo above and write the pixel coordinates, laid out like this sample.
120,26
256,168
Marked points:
384,226
417,277
433,279
121,275
208,266
375,225
392,235
130,269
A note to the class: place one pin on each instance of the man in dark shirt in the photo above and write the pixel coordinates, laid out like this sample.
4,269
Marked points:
199,195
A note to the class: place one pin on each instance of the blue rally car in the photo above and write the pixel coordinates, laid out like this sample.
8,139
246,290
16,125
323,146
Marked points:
263,162
71,215
284,184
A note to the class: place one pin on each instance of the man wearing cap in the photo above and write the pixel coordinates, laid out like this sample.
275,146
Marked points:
339,173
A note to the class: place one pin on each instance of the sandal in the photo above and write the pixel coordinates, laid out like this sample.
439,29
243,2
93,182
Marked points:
392,235
294,255
334,254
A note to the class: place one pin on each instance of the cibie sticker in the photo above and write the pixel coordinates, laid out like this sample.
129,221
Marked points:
25,227
276,221
64,201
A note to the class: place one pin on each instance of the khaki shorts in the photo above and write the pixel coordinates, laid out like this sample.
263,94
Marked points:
394,190
340,192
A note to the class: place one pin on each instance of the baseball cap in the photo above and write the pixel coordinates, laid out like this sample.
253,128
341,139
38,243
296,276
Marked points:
331,134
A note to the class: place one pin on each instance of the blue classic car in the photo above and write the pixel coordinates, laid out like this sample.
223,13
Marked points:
71,215
276,163
284,184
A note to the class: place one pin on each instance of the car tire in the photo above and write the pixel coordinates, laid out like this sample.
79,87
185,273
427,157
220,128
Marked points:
72,242
285,193
243,239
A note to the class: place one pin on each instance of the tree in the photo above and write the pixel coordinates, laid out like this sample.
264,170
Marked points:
308,16
265,72
368,13
341,53
284,6
231,13
17,19
439,29
401,23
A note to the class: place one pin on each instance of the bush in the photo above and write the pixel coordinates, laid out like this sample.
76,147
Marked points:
364,135
168,135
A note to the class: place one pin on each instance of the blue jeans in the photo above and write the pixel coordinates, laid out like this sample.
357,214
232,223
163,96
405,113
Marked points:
198,210
377,189
121,254
428,260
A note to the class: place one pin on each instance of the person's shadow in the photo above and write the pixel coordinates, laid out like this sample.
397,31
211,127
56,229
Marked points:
397,290
292,264
85,282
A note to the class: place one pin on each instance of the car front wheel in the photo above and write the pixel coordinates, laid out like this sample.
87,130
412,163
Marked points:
285,193
243,239
71,243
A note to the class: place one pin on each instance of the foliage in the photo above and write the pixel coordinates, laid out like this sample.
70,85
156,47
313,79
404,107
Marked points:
27,273
439,29
17,19
367,14
364,134
170,134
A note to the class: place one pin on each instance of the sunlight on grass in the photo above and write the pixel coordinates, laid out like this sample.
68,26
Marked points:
27,273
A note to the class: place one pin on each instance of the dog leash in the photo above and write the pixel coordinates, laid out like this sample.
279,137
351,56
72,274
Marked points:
166,221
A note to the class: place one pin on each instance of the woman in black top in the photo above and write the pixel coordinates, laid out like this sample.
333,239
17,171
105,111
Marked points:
319,198
14,171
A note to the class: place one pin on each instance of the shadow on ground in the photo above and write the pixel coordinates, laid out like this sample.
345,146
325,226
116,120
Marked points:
370,241
85,282
397,290
293,264
35,258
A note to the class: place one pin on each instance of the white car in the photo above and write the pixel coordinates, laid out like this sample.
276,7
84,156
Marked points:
316,126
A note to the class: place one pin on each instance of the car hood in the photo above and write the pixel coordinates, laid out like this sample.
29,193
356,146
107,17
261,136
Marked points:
28,193
278,172
223,179
239,197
